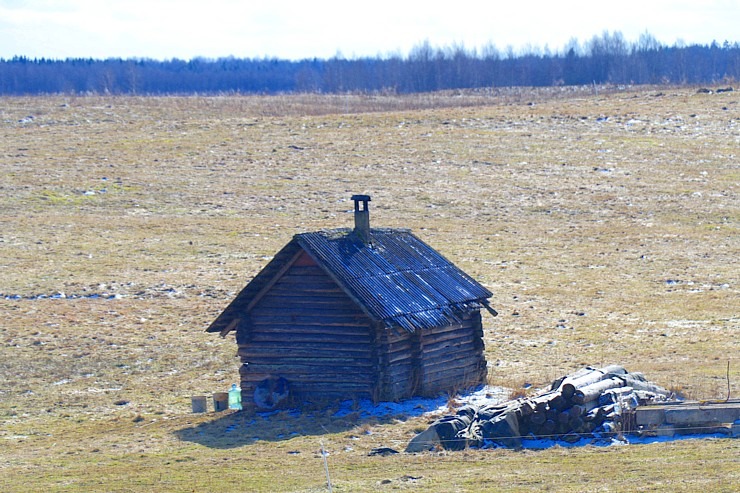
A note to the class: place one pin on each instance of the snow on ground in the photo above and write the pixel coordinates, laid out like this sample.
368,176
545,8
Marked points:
611,441
419,406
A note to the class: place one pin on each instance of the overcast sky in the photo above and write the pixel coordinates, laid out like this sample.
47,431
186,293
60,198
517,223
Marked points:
295,29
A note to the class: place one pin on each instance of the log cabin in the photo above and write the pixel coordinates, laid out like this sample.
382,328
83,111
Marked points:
356,313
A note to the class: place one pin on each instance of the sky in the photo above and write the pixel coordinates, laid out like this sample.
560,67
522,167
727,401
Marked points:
298,29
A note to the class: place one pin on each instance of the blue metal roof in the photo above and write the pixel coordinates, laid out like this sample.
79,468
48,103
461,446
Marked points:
396,277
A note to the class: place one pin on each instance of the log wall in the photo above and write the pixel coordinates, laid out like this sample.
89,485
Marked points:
452,356
432,361
399,368
307,330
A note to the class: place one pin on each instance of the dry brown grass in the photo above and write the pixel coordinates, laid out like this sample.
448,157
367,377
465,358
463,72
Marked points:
606,225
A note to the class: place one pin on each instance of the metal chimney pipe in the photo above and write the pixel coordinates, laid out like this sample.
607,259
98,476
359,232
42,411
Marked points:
362,217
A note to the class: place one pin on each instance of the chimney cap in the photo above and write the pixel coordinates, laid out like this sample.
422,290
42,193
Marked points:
361,198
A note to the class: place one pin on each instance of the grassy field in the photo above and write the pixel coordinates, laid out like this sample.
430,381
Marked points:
605,222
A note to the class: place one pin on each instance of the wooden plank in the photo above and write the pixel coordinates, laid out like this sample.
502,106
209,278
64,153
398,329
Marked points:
455,378
431,373
395,337
349,330
280,346
317,369
295,339
329,391
224,332
451,348
310,375
448,337
688,413
400,344
285,309
290,290
307,319
450,358
450,366
306,280
306,302
274,279
362,359
399,357
300,267
401,371
362,364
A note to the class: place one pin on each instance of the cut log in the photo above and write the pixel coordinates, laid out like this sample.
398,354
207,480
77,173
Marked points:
538,418
570,384
638,384
593,391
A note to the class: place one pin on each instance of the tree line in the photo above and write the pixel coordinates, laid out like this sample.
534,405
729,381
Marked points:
604,59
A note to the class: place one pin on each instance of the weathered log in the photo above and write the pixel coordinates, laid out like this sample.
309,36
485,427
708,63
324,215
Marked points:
540,405
570,384
589,426
562,428
645,397
538,417
613,396
548,428
594,415
576,411
638,384
575,423
557,402
592,392
526,407
451,337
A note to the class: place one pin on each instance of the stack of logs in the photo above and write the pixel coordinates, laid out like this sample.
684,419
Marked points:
591,403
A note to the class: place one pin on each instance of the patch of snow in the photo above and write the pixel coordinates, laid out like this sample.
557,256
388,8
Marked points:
419,406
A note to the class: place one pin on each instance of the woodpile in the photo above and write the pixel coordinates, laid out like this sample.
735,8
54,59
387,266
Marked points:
591,403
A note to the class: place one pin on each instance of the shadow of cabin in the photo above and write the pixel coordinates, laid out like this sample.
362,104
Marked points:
236,429
362,313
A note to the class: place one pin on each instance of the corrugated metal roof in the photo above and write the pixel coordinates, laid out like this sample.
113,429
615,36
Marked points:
398,278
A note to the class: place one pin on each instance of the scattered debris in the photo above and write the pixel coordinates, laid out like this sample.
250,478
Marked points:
270,392
384,451
704,90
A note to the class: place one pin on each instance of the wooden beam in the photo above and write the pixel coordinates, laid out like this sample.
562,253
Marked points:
688,413
274,279
229,327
